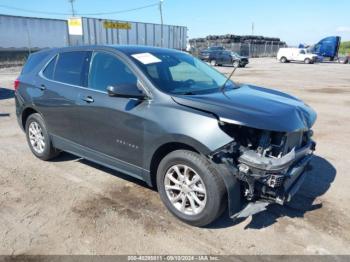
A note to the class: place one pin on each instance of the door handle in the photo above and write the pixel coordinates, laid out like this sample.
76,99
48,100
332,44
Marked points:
42,87
88,99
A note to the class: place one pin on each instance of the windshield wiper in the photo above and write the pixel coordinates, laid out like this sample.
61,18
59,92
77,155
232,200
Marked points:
222,88
187,93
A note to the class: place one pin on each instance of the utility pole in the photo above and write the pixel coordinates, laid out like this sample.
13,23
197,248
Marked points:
72,6
253,27
161,11
161,22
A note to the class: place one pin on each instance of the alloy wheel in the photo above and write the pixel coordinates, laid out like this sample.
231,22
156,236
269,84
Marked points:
185,189
36,137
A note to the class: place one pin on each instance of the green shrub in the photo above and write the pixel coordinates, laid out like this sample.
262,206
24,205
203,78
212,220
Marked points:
344,48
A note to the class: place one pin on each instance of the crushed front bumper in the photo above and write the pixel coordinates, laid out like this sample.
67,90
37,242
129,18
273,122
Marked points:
291,168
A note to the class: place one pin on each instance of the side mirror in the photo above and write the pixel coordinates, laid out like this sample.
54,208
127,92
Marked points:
125,90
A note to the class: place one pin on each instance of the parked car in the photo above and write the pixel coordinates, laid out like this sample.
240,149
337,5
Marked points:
171,120
204,54
227,58
285,55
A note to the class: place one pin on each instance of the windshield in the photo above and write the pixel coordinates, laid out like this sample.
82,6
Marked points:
180,73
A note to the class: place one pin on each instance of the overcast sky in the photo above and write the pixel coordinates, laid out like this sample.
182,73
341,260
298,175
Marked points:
296,21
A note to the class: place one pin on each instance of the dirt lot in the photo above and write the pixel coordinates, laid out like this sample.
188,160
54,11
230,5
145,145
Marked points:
71,206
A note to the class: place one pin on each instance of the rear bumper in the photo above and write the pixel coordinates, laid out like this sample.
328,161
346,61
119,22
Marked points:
204,57
19,109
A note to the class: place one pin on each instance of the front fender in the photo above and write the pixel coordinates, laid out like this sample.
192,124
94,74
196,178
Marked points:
197,129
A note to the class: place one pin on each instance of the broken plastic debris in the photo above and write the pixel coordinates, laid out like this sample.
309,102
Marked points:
251,209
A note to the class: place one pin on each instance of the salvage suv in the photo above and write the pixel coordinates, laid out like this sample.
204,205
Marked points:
171,120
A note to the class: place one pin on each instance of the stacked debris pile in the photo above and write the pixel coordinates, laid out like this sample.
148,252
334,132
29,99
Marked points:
248,45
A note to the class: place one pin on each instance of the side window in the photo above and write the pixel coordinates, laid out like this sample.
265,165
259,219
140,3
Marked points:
32,61
50,68
317,48
302,52
70,66
108,70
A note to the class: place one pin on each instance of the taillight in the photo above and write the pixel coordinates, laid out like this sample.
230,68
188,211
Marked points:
16,84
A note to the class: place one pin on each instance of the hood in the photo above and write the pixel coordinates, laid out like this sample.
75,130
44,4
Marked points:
255,107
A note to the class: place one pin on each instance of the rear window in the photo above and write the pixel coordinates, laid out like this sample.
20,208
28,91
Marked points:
50,68
33,61
70,66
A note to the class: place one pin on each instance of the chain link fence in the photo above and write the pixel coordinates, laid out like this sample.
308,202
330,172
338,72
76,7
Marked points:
253,48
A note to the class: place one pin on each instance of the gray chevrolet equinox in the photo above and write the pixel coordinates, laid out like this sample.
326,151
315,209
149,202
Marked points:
167,118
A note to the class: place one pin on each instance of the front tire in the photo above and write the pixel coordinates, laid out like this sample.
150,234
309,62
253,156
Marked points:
38,138
191,188
213,62
307,61
236,64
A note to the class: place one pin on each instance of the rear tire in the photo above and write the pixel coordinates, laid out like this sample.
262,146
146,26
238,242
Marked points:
207,194
38,138
283,60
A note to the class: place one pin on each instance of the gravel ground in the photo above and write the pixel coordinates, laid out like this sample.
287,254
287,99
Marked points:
72,206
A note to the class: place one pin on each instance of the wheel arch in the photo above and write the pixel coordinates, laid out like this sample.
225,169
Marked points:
232,185
25,115
166,149
283,58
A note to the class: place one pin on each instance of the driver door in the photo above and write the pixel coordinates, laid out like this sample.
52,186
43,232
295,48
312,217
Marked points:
109,125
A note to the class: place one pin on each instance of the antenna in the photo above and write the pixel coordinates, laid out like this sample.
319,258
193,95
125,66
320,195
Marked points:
222,88
72,6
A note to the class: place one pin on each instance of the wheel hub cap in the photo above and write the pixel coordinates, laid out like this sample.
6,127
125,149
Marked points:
185,189
36,137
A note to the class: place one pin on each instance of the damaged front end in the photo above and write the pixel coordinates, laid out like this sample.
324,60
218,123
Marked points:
270,165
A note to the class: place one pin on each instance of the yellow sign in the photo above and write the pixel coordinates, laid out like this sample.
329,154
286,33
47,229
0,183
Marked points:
74,22
116,25
75,26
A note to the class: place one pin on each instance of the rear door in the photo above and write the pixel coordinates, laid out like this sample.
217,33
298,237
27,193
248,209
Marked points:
59,83
218,57
112,126
226,57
